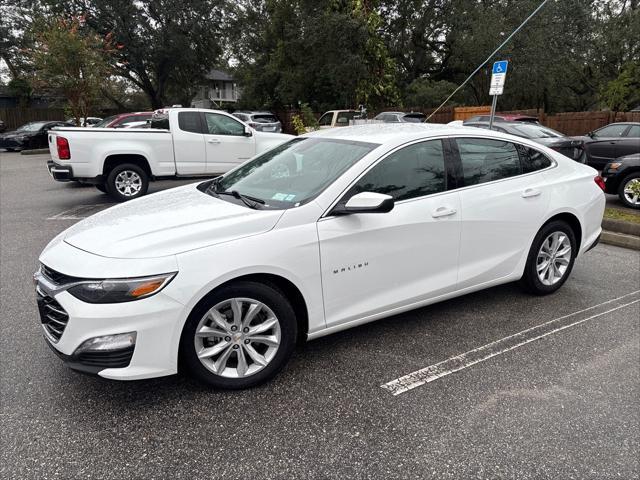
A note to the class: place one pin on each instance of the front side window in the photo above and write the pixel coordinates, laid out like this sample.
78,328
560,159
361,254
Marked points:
414,171
217,124
294,172
325,120
634,131
485,160
615,130
189,122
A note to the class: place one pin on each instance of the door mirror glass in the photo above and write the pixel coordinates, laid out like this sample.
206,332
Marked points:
247,132
366,202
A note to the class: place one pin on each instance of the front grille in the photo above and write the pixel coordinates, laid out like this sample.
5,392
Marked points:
57,277
107,359
53,317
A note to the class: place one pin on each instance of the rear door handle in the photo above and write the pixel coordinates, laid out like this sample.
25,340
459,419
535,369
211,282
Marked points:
213,140
531,192
443,212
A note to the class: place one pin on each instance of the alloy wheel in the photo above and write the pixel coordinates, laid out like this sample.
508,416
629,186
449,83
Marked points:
128,183
554,257
237,338
632,191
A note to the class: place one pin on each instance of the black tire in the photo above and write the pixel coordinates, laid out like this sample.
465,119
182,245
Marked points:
265,293
134,170
530,280
101,187
623,184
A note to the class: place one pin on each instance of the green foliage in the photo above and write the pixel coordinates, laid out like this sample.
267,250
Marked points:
71,58
298,124
623,93
425,93
21,88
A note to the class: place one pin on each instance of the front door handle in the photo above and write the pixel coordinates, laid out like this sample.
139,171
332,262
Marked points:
443,212
213,140
531,192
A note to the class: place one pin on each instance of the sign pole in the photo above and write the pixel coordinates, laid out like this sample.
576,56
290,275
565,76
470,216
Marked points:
493,111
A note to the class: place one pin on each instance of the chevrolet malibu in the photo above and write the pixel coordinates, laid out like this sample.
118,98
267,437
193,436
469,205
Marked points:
325,232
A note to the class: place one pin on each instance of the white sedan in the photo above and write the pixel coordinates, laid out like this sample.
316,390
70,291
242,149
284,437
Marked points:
328,231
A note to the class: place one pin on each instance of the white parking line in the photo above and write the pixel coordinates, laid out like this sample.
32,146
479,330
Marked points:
80,212
498,347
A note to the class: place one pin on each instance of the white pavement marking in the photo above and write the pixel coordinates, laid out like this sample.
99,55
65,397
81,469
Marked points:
80,212
498,347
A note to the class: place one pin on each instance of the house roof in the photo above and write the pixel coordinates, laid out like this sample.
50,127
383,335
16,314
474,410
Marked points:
215,74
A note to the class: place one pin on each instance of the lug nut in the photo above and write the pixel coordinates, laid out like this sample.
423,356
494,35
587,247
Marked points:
235,347
247,341
227,339
246,330
233,328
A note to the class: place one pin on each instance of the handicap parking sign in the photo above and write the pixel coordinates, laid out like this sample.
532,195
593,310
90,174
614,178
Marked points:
500,67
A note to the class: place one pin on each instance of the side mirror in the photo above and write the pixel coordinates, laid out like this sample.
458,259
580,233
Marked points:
248,132
365,202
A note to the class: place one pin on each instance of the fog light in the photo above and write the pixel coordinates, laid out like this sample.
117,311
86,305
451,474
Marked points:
108,343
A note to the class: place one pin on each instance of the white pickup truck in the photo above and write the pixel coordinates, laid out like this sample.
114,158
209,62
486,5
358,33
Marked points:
182,142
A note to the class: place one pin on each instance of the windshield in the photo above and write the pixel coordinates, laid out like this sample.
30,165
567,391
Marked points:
292,173
536,131
31,127
105,122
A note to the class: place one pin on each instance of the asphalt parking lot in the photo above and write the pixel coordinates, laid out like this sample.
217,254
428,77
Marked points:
561,406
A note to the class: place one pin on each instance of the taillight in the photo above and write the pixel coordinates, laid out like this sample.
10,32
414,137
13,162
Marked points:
64,153
600,182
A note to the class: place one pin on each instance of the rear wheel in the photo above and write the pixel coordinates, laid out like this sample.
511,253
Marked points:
241,335
629,190
126,182
550,259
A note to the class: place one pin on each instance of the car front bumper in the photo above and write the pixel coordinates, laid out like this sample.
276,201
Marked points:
13,143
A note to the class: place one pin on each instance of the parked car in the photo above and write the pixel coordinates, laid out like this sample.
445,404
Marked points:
401,117
122,119
260,121
337,118
325,232
572,147
181,142
612,141
143,124
622,178
3,127
29,136
85,122
504,117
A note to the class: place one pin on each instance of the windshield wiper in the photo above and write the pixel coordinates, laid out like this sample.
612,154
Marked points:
246,199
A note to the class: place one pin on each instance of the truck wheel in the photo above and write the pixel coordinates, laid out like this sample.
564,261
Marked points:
126,182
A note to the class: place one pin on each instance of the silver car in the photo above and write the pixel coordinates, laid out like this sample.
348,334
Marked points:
261,121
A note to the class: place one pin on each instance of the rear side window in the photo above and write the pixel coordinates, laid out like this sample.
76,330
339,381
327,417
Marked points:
532,159
265,118
414,171
634,131
189,122
615,130
485,160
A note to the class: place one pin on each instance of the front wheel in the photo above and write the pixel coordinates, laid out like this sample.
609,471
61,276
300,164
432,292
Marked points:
629,190
126,182
240,336
550,259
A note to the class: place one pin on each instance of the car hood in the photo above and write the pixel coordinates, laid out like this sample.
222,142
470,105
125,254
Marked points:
167,223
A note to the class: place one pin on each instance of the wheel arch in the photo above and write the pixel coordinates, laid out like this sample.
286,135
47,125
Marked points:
112,161
572,220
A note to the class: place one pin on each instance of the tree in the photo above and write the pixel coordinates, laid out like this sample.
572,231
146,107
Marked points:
426,93
623,93
162,46
71,58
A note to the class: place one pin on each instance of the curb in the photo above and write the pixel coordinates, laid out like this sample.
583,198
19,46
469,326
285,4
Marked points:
620,239
36,151
620,226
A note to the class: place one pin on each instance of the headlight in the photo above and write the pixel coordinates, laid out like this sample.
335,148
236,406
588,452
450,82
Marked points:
121,289
614,166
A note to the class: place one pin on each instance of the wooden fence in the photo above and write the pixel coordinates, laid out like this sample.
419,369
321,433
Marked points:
14,117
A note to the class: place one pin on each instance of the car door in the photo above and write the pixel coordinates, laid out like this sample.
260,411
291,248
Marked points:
188,144
604,144
503,198
630,142
226,143
376,262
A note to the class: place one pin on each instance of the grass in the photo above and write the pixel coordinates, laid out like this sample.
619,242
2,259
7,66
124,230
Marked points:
623,215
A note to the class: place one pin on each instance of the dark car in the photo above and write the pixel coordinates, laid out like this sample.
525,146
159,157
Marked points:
261,121
612,141
504,117
29,136
401,117
572,147
123,119
622,178
3,127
